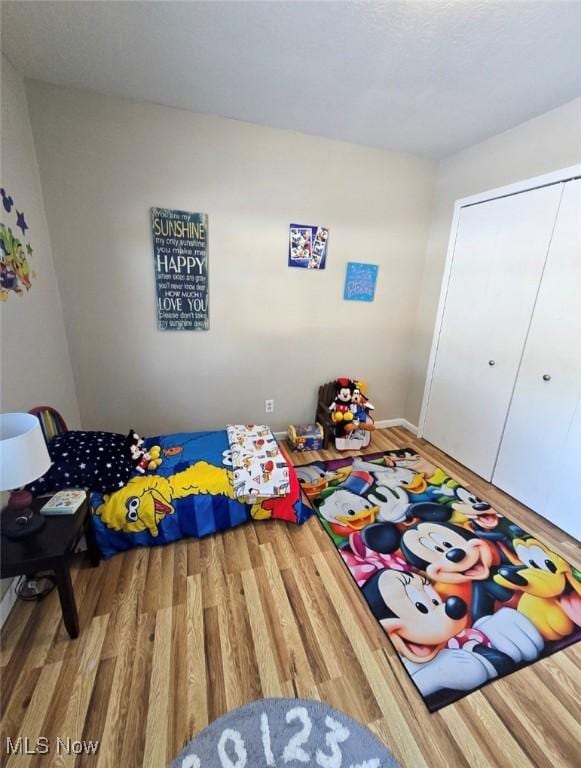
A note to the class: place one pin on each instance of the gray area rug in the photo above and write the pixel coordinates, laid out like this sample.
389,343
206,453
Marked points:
275,733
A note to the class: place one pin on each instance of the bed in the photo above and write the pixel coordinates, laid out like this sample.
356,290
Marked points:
190,493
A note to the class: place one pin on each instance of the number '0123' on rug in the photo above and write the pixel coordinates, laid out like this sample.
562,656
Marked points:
464,594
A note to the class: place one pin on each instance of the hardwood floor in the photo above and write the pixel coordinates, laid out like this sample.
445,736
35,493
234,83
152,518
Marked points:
173,637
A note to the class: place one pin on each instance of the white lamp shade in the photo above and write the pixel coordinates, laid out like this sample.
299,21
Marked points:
23,453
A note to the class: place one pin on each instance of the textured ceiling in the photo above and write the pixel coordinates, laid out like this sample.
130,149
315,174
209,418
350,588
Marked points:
426,77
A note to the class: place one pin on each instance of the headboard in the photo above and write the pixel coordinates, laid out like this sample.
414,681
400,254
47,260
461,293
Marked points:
51,422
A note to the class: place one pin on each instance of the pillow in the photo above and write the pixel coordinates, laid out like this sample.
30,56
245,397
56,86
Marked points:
98,461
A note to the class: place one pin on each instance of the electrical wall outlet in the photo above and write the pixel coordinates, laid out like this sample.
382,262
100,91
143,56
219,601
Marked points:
269,406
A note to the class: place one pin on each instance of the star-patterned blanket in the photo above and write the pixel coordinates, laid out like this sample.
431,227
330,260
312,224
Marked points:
99,461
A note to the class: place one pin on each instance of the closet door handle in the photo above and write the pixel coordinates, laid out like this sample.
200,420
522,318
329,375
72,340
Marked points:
546,377
491,362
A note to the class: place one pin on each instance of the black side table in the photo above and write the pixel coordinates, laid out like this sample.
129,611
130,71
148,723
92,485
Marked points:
51,549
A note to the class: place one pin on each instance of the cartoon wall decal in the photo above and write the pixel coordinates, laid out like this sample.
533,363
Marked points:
464,594
16,274
21,223
7,200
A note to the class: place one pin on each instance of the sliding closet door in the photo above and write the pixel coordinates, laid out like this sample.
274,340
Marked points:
533,459
501,247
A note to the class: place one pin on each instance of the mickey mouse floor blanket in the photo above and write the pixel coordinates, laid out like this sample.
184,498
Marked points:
463,593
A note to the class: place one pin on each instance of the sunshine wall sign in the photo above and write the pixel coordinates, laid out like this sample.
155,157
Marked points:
180,251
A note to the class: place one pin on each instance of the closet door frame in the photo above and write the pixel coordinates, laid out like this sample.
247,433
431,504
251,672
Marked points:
555,177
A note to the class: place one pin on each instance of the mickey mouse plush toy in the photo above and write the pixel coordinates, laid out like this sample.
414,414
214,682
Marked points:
360,408
340,408
143,459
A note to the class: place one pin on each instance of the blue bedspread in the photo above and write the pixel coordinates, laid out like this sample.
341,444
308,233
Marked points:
189,494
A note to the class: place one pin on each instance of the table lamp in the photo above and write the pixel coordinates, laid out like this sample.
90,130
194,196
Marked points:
23,458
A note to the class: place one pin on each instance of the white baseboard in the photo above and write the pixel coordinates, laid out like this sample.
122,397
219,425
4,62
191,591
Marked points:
381,424
8,601
386,423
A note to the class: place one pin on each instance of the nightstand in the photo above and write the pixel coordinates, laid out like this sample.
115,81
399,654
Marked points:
51,549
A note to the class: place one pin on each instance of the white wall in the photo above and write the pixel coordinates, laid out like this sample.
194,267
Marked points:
274,332
36,368
546,143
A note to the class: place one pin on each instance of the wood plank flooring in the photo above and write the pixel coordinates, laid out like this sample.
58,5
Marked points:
173,637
